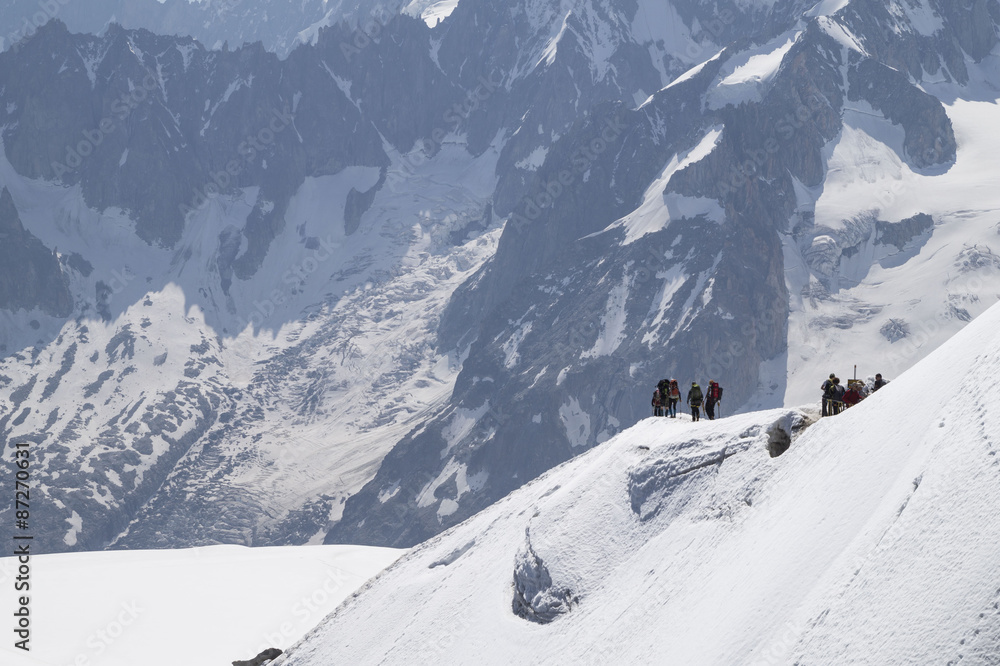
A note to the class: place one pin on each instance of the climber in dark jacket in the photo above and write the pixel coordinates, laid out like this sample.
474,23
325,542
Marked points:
714,397
879,382
837,394
827,389
695,397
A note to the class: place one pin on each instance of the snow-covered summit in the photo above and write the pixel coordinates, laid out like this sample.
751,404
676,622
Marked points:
871,540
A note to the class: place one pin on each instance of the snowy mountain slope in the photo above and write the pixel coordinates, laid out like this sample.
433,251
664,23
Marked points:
215,605
272,428
871,540
649,228
701,239
264,352
258,338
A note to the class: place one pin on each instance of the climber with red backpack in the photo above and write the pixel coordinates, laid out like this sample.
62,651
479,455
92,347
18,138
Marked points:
714,398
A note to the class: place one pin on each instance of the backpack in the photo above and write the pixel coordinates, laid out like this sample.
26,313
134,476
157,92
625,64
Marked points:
663,386
675,391
715,392
696,396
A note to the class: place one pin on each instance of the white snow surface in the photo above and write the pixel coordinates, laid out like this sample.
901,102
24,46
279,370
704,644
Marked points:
872,540
613,331
827,7
745,77
207,606
431,11
659,207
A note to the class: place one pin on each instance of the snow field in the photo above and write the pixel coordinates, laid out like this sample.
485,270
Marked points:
208,606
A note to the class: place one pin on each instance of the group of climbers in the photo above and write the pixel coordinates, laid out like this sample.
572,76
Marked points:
668,394
837,398
665,398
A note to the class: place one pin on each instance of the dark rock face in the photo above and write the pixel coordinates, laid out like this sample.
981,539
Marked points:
968,28
930,139
30,273
895,330
905,231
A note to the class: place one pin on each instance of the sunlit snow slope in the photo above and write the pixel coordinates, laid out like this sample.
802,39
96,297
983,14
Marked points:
872,540
204,606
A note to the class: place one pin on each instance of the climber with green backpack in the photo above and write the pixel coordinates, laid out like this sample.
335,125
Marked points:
695,398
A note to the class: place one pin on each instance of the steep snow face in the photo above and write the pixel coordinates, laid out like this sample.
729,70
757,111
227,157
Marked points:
744,78
870,540
230,603
301,333
660,206
431,11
